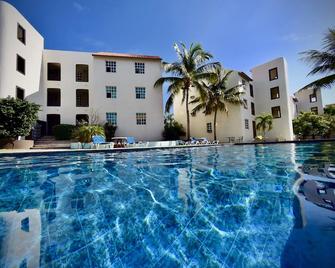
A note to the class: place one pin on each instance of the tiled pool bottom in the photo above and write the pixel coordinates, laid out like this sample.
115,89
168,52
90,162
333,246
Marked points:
194,207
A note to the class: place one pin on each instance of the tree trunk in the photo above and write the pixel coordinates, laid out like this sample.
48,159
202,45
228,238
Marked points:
187,116
215,113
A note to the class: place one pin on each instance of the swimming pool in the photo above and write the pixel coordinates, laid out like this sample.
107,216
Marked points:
234,206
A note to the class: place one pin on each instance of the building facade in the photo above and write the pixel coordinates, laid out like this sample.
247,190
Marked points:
309,100
79,86
265,92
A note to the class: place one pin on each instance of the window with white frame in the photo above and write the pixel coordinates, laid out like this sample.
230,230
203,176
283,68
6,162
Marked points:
110,92
209,128
141,118
140,92
246,123
139,68
110,66
111,118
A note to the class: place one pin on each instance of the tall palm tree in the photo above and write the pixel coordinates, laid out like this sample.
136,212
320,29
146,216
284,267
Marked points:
214,96
323,62
264,123
189,71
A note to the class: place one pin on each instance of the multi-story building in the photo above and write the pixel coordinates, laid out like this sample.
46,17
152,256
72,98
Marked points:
309,100
74,86
265,92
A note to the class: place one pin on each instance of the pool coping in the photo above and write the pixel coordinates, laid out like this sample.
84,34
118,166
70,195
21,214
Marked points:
285,142
28,152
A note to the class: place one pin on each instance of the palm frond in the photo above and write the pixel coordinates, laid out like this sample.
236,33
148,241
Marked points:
325,82
171,79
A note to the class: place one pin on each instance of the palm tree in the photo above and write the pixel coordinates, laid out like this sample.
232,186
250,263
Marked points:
189,71
214,96
323,62
264,123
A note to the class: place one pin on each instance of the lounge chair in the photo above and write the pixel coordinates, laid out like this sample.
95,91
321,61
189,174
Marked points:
100,140
216,142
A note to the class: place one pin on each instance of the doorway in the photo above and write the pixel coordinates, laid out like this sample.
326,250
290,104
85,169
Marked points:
52,120
254,128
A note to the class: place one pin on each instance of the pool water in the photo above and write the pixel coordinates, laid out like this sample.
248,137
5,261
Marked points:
224,206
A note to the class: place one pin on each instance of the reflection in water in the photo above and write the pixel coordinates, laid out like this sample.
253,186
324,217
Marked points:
312,241
20,245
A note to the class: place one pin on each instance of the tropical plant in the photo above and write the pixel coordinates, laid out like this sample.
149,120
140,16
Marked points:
329,109
323,62
264,122
17,117
214,96
311,124
84,133
109,130
172,129
189,71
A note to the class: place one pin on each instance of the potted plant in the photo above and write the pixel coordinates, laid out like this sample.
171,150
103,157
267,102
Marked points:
84,134
17,118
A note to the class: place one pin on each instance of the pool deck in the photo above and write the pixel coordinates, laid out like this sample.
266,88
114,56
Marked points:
18,152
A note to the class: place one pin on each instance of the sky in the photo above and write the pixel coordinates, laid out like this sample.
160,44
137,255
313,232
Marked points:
240,33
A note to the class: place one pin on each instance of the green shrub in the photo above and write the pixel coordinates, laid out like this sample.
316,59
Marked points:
84,133
109,131
172,129
17,117
63,131
310,124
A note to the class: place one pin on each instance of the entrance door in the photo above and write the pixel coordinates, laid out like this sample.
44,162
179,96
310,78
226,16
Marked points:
254,128
52,120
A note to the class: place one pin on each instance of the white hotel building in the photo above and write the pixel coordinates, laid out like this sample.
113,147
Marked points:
265,92
119,88
72,86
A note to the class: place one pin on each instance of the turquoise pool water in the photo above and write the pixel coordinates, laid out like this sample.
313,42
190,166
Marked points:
238,206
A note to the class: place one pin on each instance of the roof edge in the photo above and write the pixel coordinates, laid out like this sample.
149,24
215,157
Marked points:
125,55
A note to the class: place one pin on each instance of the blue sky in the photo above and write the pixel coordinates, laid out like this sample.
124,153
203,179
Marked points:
240,33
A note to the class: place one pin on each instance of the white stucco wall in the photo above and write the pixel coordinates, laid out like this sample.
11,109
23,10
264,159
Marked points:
282,127
304,104
10,46
125,105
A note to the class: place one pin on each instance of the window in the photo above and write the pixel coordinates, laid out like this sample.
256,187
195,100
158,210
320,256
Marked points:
21,34
140,93
110,92
274,93
245,103
82,98
313,98
110,66
20,64
246,123
253,108
243,82
81,73
314,110
53,97
273,74
141,118
54,70
251,87
139,68
276,112
111,118
19,93
209,128
82,119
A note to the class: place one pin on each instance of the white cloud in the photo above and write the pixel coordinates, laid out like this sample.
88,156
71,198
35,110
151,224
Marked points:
79,7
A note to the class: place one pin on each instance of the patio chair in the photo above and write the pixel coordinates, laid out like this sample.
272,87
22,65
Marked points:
100,140
239,139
